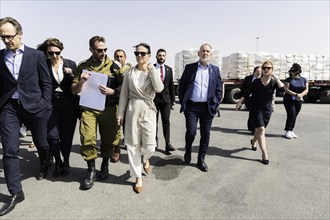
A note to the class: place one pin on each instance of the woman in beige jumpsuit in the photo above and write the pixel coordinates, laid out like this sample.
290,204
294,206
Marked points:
138,111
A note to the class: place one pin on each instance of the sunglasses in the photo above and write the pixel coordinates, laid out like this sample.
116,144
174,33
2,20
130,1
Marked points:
101,50
51,53
137,53
267,68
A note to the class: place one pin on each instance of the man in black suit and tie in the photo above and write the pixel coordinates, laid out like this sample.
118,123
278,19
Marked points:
200,93
245,85
165,99
25,95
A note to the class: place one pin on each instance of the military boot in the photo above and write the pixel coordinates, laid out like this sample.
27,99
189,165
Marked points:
91,175
104,173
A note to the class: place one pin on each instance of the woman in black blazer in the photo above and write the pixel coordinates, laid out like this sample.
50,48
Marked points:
62,121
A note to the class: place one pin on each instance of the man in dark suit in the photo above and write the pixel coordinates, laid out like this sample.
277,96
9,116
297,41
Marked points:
25,94
200,93
165,99
244,86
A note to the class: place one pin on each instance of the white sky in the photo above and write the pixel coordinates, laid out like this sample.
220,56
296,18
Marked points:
286,27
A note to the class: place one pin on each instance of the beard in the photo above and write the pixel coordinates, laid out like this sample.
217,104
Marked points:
160,61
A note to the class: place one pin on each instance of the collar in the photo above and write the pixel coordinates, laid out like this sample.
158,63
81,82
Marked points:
158,65
201,66
20,49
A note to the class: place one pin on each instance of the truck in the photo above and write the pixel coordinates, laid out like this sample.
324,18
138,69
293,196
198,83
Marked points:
235,67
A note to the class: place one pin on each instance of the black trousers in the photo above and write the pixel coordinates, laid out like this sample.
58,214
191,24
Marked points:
165,110
12,116
194,112
61,127
292,108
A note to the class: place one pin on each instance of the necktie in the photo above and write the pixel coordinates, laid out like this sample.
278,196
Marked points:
161,73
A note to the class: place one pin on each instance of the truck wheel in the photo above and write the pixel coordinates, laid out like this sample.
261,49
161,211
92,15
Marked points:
312,96
232,95
325,96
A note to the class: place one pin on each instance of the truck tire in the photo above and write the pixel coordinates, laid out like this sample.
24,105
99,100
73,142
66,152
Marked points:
325,96
312,96
232,95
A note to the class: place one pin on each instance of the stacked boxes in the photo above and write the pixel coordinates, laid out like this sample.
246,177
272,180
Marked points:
239,65
190,56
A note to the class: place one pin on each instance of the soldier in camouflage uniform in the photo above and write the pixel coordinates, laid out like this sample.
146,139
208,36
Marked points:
121,57
90,118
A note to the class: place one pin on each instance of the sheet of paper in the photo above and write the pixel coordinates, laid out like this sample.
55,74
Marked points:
90,95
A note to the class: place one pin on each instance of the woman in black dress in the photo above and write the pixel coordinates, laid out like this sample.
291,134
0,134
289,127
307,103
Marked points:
262,91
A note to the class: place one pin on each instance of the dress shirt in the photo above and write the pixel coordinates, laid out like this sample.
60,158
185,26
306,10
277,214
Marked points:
13,62
164,69
201,84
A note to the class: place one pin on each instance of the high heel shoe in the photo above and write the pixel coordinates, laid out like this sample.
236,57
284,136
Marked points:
253,148
264,161
146,169
136,188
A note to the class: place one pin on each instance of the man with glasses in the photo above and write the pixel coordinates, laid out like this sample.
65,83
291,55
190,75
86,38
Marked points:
90,118
25,96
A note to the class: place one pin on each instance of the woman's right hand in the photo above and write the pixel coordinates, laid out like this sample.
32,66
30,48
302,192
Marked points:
239,104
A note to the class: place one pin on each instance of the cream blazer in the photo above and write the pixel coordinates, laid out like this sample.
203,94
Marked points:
137,108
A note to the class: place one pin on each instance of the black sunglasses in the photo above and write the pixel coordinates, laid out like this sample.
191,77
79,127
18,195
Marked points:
137,53
267,68
51,53
101,50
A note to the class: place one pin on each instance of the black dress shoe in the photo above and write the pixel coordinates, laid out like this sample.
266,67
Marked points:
65,169
11,203
58,169
202,166
104,173
187,157
42,174
169,148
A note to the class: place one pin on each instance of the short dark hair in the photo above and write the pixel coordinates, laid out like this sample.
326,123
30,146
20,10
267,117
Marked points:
143,45
119,50
161,50
95,39
12,21
255,69
296,68
50,42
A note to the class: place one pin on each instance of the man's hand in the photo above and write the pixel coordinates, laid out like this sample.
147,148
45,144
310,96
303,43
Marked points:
106,90
85,76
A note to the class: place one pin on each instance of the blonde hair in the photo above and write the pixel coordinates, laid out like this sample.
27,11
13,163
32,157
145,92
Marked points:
267,62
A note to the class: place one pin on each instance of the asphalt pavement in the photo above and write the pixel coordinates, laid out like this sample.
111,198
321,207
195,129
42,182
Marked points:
295,185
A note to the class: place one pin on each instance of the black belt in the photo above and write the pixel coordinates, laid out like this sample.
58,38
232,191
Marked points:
57,94
196,103
15,101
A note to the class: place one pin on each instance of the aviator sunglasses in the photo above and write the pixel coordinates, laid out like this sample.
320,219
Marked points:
137,53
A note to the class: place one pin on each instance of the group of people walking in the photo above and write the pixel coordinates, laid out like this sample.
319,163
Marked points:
41,89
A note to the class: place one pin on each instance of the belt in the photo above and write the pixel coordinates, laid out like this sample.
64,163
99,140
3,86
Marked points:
14,101
57,94
196,103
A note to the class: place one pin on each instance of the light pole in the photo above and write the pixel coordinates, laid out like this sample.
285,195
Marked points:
257,42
